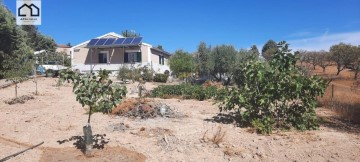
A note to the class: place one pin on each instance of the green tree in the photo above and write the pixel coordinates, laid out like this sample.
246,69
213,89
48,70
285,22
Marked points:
269,49
343,55
274,94
201,59
129,33
95,91
254,50
182,63
37,41
221,61
160,47
356,62
15,55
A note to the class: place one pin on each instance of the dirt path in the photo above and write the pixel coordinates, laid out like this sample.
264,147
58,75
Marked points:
55,115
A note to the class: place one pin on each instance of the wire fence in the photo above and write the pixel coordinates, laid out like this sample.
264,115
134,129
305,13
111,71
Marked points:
344,100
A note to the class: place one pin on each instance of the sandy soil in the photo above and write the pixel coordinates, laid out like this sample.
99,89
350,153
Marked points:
55,115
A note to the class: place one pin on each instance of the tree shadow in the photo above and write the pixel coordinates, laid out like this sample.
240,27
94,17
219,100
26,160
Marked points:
340,125
99,142
227,118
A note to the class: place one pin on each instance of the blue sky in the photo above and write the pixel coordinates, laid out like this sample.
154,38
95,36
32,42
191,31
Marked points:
182,24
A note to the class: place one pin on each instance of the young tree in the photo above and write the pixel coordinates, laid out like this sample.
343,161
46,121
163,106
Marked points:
343,55
274,94
182,63
95,91
269,49
221,61
202,57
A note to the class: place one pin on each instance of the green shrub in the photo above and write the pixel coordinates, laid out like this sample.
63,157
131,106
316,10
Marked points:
161,78
49,73
186,91
135,73
274,94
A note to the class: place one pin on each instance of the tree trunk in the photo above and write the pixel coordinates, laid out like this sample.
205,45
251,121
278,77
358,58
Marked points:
338,70
88,139
356,72
16,90
323,69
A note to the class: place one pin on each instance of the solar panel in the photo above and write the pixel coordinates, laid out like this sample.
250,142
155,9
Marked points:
128,40
92,42
101,41
137,40
119,41
110,41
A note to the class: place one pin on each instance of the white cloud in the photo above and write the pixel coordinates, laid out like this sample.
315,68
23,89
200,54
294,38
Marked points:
325,41
300,34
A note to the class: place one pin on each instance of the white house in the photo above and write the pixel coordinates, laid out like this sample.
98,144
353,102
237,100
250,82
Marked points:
111,51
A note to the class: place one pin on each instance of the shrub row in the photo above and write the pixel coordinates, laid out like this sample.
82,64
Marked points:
161,78
188,91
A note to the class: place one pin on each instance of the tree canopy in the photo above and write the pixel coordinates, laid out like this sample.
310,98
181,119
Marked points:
129,33
182,63
202,57
221,61
269,49
343,55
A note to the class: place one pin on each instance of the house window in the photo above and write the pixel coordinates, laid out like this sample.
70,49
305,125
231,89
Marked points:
103,57
131,57
161,60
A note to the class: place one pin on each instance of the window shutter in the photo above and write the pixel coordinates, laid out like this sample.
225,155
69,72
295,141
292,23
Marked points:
100,58
126,58
159,59
139,56
163,60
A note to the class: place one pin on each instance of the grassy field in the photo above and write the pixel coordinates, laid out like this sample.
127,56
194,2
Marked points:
341,95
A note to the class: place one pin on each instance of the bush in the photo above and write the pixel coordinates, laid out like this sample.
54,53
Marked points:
274,94
186,91
161,78
124,73
134,74
50,73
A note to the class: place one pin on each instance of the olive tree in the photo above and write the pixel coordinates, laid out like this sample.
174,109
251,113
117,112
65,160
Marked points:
343,55
221,61
182,63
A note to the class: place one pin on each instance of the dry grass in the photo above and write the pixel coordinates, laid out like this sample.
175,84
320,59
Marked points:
216,138
345,102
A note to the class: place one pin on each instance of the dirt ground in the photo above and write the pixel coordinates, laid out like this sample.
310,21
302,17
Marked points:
55,116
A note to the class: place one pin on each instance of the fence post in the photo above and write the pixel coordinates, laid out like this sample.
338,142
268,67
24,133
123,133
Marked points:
332,96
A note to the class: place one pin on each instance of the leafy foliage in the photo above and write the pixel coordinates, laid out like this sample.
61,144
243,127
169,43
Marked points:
269,49
343,55
135,73
254,50
201,59
221,61
187,91
161,78
15,55
274,94
97,92
181,63
130,33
